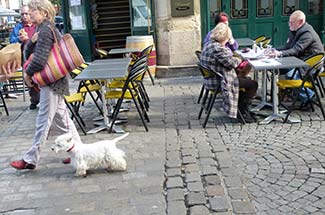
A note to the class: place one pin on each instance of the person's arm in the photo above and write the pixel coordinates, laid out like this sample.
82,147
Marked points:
28,49
207,38
223,57
41,52
14,35
232,44
8,70
300,46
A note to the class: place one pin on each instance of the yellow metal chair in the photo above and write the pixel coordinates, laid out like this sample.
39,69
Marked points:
3,102
138,83
73,103
266,42
145,52
102,53
88,86
308,80
198,55
259,39
129,91
210,95
15,84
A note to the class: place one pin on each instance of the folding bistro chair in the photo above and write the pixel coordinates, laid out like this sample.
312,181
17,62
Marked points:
146,51
259,39
210,95
88,87
130,91
73,102
3,102
266,42
308,80
198,55
119,84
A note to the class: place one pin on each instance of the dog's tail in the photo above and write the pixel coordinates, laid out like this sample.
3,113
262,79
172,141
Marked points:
120,138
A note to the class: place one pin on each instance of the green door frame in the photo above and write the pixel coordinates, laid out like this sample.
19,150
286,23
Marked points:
84,37
205,22
144,30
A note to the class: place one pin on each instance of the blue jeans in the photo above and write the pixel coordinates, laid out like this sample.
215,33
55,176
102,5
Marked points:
302,95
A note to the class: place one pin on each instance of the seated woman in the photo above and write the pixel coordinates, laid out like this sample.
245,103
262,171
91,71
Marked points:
217,57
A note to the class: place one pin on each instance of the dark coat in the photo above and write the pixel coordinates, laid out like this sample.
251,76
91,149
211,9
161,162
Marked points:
219,59
302,43
41,50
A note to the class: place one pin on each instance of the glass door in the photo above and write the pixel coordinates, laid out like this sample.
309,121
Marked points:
77,21
142,17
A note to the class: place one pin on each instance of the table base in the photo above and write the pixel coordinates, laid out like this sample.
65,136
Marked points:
261,106
281,116
119,120
116,129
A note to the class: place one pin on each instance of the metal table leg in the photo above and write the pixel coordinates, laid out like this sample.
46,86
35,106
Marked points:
107,124
275,106
264,102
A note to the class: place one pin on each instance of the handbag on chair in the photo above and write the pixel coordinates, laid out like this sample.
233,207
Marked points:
63,58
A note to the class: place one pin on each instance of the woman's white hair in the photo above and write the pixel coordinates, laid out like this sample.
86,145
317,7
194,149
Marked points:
221,33
45,6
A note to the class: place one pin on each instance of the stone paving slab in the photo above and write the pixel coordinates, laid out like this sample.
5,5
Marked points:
177,167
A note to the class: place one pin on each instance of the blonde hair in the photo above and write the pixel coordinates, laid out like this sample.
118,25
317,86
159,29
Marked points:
45,6
221,33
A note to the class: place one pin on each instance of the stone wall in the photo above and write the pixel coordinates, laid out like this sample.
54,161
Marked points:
177,39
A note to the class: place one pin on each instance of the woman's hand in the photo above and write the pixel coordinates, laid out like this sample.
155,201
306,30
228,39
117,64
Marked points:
23,38
8,70
34,37
28,80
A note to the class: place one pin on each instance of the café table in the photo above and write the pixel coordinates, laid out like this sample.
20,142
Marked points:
274,65
124,51
244,42
104,70
251,55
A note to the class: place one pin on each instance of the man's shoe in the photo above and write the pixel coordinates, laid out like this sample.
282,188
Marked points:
66,161
248,117
32,106
21,164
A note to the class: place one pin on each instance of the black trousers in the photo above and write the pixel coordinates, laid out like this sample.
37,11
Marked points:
34,95
250,87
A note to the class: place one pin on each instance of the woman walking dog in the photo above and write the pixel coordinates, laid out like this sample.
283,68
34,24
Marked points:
52,109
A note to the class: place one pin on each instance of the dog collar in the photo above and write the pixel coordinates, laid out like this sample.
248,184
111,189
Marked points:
71,148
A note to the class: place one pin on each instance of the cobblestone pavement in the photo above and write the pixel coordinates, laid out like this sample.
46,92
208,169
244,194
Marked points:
176,168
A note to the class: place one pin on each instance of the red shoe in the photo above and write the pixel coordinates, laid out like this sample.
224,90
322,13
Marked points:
21,164
66,161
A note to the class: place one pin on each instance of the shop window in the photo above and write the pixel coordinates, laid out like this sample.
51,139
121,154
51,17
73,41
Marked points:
264,8
215,8
315,7
239,9
77,17
289,6
141,13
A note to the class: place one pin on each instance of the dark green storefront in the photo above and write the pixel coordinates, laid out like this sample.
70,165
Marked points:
268,17
106,24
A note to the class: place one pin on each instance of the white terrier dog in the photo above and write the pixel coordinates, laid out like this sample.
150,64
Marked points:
102,154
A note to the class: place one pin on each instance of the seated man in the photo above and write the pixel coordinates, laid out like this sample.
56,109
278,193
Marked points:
217,57
302,42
